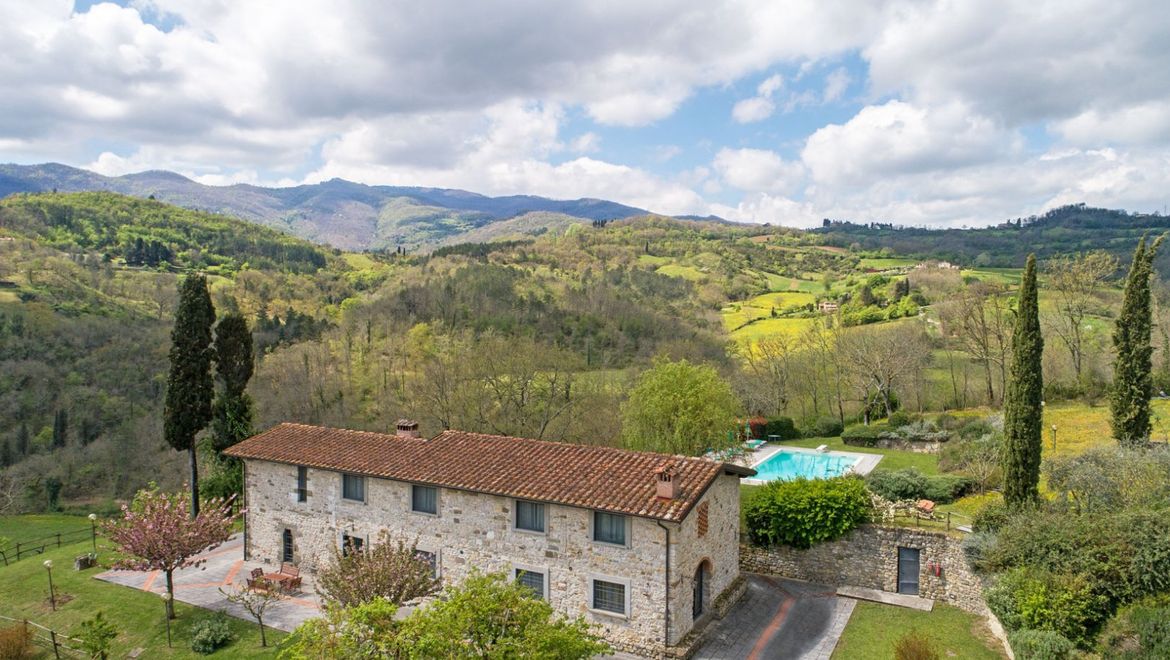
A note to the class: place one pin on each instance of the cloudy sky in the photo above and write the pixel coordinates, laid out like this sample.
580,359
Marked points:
945,112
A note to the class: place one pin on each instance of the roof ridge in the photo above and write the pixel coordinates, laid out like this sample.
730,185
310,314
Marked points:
577,445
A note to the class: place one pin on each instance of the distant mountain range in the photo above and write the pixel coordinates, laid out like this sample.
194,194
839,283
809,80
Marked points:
341,213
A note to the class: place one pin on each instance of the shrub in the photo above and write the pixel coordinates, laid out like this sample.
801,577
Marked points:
991,517
861,436
391,569
1126,554
973,428
211,633
1031,598
96,635
1041,645
915,646
1138,631
978,458
946,488
15,643
902,418
757,426
910,484
783,427
824,427
802,512
907,484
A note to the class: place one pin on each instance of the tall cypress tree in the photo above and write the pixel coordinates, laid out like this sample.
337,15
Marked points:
1129,398
189,388
234,364
1022,404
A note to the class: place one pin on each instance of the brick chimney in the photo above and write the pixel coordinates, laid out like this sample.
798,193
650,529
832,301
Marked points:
664,478
407,428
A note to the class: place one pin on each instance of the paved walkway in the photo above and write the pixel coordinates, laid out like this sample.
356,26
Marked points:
225,568
779,618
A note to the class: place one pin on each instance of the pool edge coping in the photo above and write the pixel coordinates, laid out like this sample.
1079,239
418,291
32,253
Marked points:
864,464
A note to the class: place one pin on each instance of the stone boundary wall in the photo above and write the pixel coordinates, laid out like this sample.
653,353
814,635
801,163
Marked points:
868,557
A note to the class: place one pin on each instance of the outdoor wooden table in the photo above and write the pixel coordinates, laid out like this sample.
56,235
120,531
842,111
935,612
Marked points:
278,578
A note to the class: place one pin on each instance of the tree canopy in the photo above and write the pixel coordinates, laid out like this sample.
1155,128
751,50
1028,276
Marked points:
680,408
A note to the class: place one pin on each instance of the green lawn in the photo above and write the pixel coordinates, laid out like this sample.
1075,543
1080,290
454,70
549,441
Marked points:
686,272
137,615
874,629
878,263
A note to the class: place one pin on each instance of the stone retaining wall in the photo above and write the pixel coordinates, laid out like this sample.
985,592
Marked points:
868,557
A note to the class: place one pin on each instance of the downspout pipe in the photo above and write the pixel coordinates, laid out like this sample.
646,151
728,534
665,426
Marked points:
666,619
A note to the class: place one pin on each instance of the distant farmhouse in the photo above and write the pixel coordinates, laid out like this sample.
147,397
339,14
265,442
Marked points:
641,544
827,307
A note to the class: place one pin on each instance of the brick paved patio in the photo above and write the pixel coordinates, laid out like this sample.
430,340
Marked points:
225,568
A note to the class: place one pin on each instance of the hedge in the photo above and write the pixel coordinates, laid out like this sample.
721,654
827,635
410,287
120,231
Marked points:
910,484
783,427
803,512
824,427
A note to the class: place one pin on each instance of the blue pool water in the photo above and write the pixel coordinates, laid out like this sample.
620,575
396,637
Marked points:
792,464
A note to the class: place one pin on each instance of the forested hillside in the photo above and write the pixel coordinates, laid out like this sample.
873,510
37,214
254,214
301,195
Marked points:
1063,230
88,287
540,335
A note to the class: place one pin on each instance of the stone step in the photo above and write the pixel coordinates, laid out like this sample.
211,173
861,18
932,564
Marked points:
901,600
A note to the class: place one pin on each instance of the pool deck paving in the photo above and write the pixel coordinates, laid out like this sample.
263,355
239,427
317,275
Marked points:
224,568
778,618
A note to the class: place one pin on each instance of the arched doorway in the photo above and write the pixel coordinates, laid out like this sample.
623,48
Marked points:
700,585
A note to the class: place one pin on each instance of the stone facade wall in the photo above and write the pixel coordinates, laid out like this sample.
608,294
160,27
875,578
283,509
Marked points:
719,548
474,530
868,557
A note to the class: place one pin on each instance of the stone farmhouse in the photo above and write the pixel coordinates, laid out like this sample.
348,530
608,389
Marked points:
643,545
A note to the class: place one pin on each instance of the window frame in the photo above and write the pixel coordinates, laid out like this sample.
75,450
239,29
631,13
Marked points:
626,529
543,517
542,571
362,480
609,579
287,545
303,484
433,560
414,509
359,546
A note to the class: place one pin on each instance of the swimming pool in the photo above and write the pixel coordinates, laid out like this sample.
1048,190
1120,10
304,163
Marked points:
788,464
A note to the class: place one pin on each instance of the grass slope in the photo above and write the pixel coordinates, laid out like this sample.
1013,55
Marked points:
137,615
874,629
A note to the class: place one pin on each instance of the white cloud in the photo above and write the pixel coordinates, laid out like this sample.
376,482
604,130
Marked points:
753,109
759,107
835,85
586,143
770,86
757,170
897,137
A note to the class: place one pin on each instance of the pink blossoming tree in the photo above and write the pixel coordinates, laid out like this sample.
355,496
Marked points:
156,533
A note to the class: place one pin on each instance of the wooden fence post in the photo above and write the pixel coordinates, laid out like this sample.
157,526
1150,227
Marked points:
53,637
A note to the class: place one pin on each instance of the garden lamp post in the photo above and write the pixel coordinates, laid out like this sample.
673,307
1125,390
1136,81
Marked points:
166,597
1054,437
52,596
93,531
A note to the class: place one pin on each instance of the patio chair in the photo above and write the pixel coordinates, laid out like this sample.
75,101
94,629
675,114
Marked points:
289,570
293,584
257,573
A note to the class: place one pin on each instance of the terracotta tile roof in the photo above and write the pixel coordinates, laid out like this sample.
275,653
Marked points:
603,478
